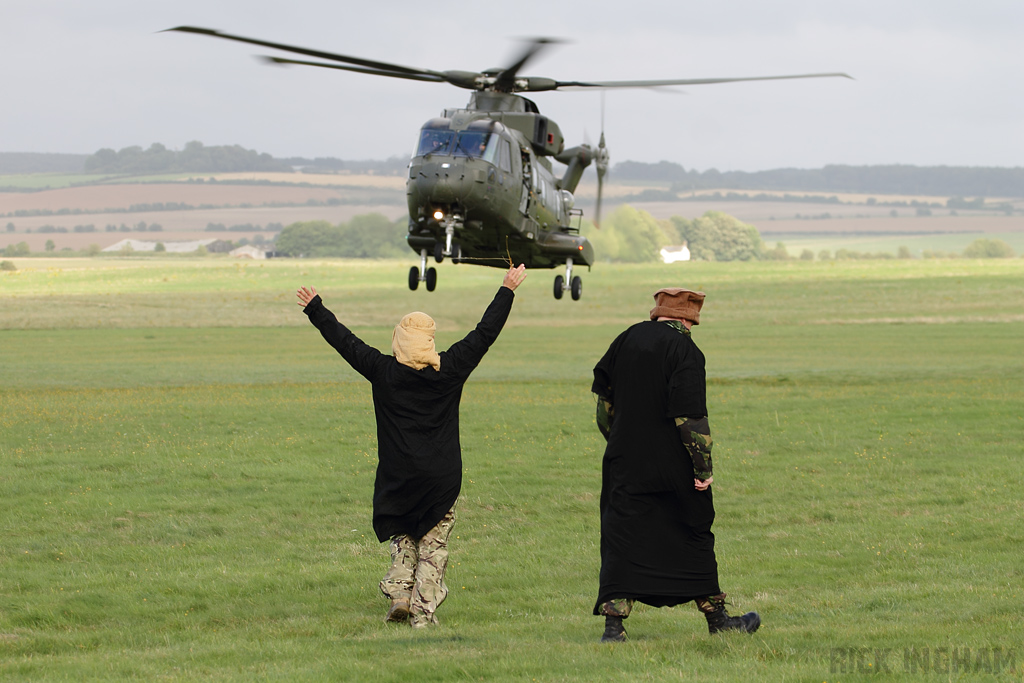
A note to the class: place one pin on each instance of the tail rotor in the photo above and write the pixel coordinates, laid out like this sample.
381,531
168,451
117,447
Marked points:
601,158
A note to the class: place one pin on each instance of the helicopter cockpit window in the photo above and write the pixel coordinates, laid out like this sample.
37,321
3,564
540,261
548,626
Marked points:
435,142
475,145
478,145
490,154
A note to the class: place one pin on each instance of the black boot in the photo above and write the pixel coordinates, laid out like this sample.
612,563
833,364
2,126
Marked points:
614,632
713,608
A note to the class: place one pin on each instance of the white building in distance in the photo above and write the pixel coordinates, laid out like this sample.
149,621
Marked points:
249,251
675,254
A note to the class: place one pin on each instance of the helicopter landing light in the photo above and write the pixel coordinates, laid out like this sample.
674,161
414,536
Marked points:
446,165
438,215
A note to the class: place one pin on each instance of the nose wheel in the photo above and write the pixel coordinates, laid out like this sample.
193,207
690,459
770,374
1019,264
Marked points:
575,283
454,252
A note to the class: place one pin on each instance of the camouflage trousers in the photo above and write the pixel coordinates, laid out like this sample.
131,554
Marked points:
417,571
617,608
623,606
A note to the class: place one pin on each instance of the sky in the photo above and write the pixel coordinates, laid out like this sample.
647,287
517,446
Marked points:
937,82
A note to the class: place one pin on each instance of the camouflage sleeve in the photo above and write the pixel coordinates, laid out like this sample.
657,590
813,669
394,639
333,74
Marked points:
605,415
696,436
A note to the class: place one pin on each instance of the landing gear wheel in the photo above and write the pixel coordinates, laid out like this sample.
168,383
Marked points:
414,278
438,252
559,286
431,279
456,253
576,289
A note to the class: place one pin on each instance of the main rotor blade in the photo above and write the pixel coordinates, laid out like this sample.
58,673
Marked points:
358,69
686,81
369,63
505,80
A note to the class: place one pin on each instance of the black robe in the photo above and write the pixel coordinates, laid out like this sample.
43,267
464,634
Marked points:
656,540
419,468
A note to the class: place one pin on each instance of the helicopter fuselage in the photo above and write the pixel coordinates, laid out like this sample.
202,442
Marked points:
481,188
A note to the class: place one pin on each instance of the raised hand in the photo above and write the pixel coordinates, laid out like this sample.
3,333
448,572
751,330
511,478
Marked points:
305,295
514,277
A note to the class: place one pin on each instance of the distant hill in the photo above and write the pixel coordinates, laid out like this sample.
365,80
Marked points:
940,181
32,162
948,181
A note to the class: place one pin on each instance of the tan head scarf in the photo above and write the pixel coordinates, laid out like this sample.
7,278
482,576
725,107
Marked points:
413,342
676,302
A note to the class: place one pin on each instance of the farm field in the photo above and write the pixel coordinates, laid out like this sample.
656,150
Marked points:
954,242
261,199
187,470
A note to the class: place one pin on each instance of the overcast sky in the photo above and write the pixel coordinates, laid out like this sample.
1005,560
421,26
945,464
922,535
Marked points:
938,82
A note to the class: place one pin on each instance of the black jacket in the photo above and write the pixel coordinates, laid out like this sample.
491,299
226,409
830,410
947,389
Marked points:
419,468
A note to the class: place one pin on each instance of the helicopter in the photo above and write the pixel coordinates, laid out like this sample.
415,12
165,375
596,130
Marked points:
481,187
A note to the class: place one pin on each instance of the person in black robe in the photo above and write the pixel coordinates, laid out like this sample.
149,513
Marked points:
656,502
416,395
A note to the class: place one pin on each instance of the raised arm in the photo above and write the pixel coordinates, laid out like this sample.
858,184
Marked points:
467,353
360,356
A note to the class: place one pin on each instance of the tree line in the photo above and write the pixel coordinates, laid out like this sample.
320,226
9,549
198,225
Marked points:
366,236
195,157
630,235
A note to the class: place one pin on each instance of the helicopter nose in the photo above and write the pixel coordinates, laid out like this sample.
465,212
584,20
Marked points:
446,182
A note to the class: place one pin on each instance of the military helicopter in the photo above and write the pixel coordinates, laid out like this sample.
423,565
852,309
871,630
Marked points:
481,186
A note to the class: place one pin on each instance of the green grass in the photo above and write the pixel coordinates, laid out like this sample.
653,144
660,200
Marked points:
186,472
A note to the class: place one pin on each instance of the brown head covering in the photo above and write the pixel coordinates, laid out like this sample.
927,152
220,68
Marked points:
676,302
412,342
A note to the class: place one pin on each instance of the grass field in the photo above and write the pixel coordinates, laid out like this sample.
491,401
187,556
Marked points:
186,471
